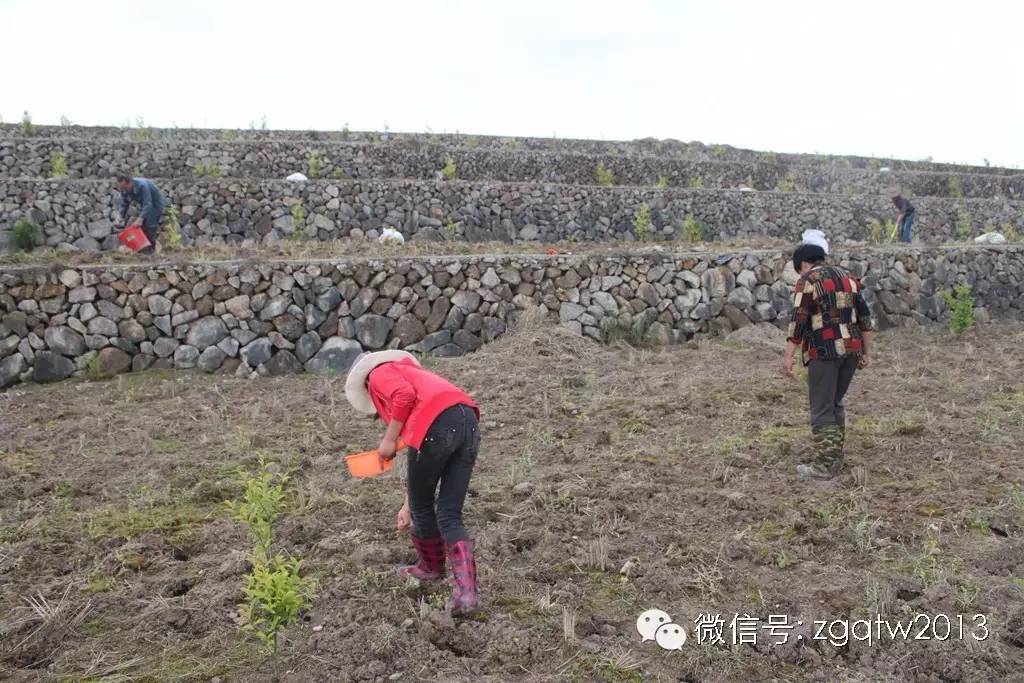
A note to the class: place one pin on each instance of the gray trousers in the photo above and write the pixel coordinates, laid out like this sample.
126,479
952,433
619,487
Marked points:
828,381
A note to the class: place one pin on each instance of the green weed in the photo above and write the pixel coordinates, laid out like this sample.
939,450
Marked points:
298,214
964,224
692,231
695,182
603,176
207,170
662,182
230,135
953,185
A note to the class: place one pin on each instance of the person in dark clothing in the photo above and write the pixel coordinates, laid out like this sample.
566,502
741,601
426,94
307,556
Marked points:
151,204
905,219
831,325
440,424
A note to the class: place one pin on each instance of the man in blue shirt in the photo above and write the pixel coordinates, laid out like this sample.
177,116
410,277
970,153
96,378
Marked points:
905,219
151,205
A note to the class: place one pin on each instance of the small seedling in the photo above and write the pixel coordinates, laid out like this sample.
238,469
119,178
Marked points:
448,171
298,214
275,594
662,182
27,129
642,222
230,135
25,235
170,233
262,502
964,225
58,165
695,182
961,308
954,187
207,169
315,165
602,175
692,230
787,184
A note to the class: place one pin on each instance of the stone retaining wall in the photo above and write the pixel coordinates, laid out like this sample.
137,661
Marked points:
31,158
80,213
694,151
284,317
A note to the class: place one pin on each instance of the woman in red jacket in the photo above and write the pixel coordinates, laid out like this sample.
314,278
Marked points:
440,424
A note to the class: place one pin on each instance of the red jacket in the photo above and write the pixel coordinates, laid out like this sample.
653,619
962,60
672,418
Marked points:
405,392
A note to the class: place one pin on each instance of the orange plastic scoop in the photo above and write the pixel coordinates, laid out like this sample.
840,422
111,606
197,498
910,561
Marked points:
367,463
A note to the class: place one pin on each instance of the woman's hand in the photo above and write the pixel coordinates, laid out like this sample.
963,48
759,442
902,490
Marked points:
404,520
386,449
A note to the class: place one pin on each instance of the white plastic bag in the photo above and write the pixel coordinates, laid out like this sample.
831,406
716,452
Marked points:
391,236
991,238
297,178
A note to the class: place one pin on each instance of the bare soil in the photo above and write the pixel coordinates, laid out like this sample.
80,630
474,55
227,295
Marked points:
611,480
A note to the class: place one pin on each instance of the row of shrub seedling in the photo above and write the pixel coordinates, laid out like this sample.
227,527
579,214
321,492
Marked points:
275,591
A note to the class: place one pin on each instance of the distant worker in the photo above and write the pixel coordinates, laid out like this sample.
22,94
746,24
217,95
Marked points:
151,203
905,219
831,325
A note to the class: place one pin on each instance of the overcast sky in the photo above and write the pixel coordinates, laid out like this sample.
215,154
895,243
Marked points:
910,79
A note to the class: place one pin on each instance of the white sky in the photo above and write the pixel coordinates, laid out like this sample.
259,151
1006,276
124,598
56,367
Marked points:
909,79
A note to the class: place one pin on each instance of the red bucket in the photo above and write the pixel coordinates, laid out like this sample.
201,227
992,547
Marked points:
134,238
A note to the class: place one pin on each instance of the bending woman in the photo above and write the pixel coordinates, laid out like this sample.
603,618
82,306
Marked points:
440,424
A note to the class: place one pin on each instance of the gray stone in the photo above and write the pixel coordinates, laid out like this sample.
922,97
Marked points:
103,326
184,318
109,309
335,357
80,295
16,322
238,306
64,340
307,346
163,323
70,278
11,369
409,329
283,363
51,367
114,361
159,304
206,332
164,347
432,341
275,307
210,359
329,300
467,340
372,330
570,311
607,302
529,232
448,351
131,330
257,352
185,357
230,346
490,279
278,340
741,297
466,301
9,344
290,327
142,362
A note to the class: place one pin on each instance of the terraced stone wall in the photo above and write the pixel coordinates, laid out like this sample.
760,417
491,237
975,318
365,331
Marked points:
272,318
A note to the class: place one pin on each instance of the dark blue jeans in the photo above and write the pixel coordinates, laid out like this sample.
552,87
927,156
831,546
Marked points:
447,457
905,226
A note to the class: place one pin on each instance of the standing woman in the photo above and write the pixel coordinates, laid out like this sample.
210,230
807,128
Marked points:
440,424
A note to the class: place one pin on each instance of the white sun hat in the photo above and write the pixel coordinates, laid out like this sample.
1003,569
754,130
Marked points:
355,384
815,237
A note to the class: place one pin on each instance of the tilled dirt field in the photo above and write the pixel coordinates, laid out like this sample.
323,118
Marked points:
611,481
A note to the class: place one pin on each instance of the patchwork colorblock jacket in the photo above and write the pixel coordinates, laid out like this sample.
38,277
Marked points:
829,314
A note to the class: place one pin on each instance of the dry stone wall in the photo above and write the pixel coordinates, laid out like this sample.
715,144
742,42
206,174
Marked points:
79,214
32,158
695,151
272,318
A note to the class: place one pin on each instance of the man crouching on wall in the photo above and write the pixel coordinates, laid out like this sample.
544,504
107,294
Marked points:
832,326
